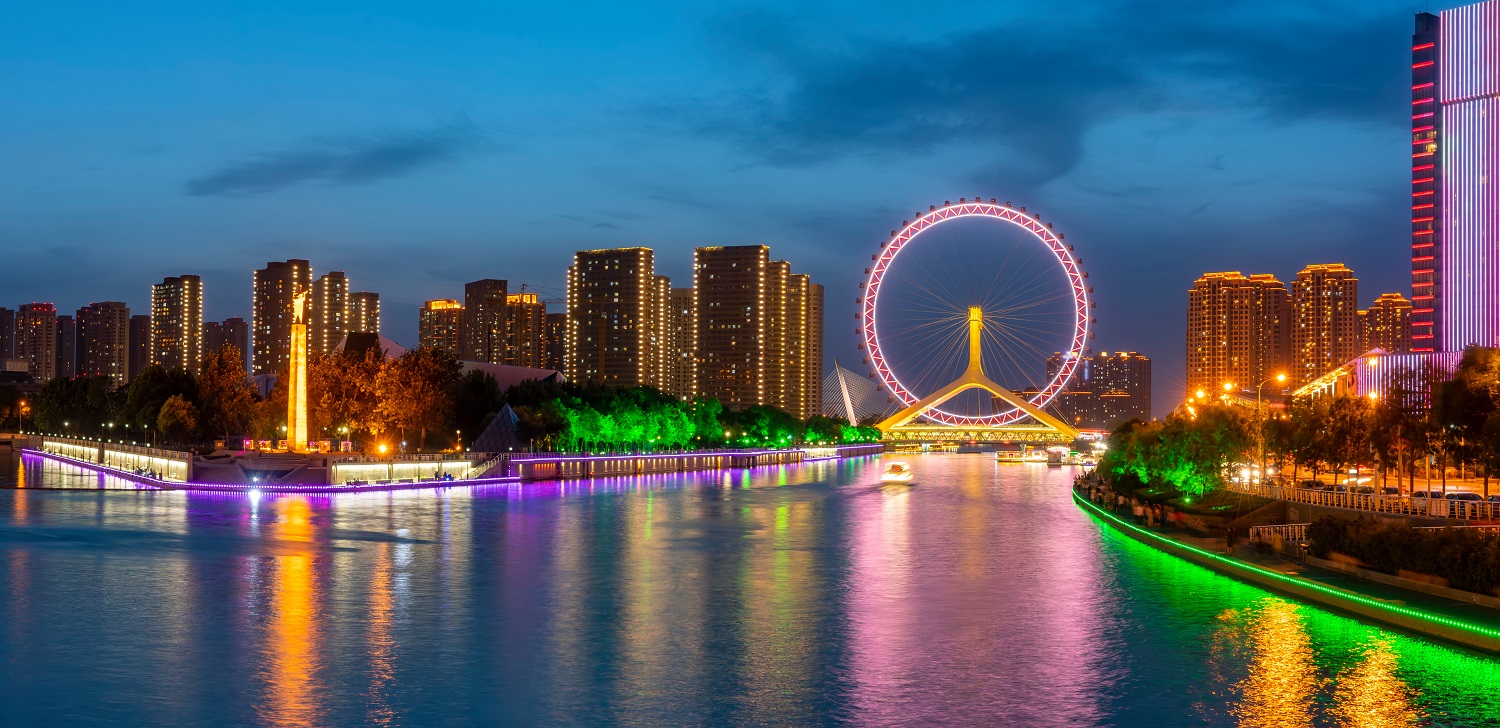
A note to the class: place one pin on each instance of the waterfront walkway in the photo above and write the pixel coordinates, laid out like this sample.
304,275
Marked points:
1410,611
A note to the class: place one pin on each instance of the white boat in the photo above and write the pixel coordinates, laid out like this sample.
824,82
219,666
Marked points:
896,473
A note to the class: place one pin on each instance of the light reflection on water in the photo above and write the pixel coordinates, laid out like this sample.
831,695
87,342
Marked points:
791,595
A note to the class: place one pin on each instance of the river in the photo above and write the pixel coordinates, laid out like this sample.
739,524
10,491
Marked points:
797,595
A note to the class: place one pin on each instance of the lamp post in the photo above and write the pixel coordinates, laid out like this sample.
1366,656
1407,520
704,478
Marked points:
1260,423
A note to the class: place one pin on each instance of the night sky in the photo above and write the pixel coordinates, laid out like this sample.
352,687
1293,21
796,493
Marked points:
421,145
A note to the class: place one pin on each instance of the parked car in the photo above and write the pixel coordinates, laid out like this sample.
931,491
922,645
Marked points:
1364,489
1390,490
1311,485
1494,499
1419,494
1462,496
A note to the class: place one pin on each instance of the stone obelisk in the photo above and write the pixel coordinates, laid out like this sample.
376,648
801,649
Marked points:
296,385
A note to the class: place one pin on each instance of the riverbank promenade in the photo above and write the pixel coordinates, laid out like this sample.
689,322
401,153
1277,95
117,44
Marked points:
1471,625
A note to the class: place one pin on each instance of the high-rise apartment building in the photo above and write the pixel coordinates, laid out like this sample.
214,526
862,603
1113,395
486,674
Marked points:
363,315
229,332
557,341
140,345
758,330
104,341
682,378
733,313
7,334
36,339
67,347
1325,321
1455,151
1387,324
525,330
611,317
486,303
440,325
1238,330
1106,389
177,323
327,312
273,289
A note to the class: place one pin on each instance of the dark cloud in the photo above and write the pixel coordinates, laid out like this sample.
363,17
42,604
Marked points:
1032,91
338,162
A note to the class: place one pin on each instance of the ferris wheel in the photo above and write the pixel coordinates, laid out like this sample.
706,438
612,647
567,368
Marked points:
977,292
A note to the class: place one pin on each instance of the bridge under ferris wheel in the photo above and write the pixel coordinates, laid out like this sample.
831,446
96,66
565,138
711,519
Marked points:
1023,418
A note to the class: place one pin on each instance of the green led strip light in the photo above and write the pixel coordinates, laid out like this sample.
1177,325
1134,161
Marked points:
1304,583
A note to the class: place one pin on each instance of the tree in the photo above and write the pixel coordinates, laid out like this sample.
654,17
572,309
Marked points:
415,391
151,388
226,396
178,420
476,399
342,392
1346,432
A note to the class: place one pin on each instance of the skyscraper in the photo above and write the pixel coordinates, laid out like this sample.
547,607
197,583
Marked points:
67,347
1455,151
364,313
611,315
1238,330
328,308
1326,331
485,305
440,325
271,313
36,339
733,314
1106,389
682,380
177,323
140,345
104,341
229,332
557,341
1387,324
525,330
7,334
758,330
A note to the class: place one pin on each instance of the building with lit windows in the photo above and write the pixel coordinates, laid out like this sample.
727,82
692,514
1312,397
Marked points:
525,330
1325,321
485,307
327,312
229,332
1238,330
440,325
140,344
1455,151
7,334
104,341
682,379
67,347
612,314
758,332
363,313
557,341
273,289
1106,389
177,323
1387,324
36,339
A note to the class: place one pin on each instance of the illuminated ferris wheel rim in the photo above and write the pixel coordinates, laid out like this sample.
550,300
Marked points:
1031,223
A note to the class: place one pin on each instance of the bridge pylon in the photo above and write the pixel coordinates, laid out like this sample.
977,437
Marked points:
899,426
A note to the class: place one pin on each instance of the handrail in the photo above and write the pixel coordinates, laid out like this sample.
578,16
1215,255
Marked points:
1378,503
1287,531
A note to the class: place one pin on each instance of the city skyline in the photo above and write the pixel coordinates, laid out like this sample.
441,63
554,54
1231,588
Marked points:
458,178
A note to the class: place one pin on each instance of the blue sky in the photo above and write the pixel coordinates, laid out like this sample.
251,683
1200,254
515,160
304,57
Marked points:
420,145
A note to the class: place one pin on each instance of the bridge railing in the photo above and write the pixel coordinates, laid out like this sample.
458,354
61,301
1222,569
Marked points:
1295,532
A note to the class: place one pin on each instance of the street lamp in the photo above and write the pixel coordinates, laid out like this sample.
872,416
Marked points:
1261,424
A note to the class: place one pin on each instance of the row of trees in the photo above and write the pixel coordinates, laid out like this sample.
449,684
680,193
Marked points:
1425,421
422,397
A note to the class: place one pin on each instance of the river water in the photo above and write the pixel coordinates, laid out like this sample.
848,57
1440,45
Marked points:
797,595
